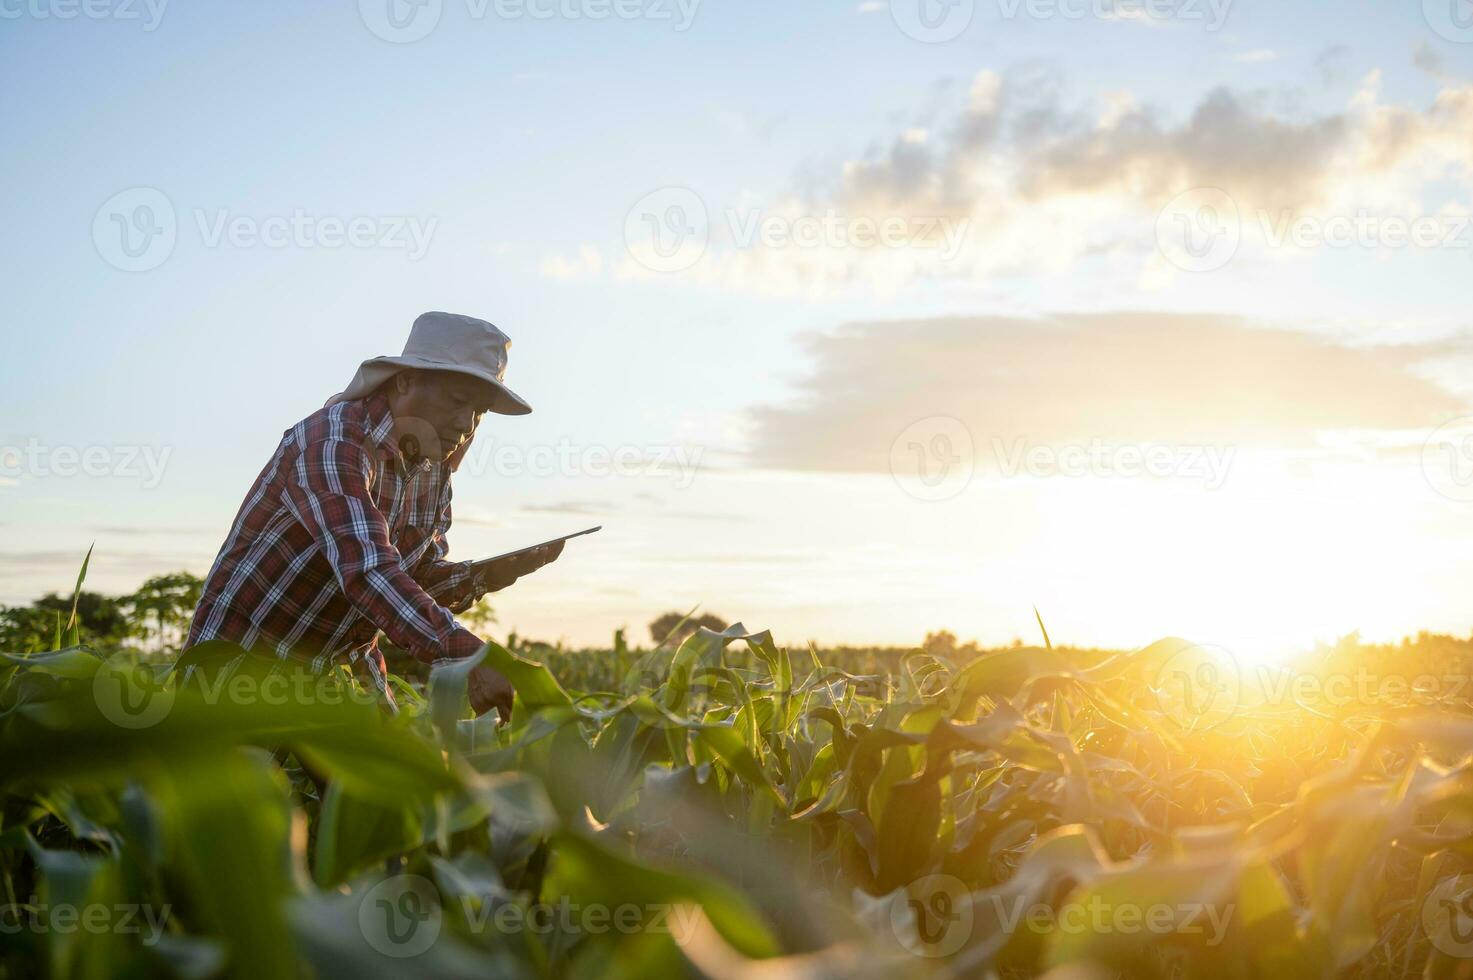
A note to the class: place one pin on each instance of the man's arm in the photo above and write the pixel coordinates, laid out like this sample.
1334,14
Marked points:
327,492
460,585
453,584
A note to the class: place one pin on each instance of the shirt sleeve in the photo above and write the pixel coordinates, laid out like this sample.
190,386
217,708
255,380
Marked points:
450,583
328,493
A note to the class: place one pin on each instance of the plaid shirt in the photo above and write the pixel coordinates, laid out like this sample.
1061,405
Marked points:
339,538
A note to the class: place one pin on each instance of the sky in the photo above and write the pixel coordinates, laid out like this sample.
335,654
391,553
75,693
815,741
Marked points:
851,320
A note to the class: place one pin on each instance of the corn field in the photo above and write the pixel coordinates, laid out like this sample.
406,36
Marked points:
730,809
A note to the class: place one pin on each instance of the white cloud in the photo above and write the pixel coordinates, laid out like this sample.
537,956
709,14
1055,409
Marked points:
1016,182
587,264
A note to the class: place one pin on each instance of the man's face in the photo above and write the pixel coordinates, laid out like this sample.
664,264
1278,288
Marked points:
438,407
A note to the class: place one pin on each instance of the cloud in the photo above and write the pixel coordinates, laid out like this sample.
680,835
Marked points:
1430,60
1017,181
25,575
143,531
568,507
1171,379
757,560
479,520
708,516
1229,142
1257,56
1331,63
588,264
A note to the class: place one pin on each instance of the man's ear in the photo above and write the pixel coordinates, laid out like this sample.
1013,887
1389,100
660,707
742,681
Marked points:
403,381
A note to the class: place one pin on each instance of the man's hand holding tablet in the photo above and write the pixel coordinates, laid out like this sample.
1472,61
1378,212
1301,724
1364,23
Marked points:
495,574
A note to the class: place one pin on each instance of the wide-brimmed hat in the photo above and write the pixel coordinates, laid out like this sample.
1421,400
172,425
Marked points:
445,342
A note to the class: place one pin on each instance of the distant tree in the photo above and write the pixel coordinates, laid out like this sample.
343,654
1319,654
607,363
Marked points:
942,643
28,629
101,617
167,600
663,628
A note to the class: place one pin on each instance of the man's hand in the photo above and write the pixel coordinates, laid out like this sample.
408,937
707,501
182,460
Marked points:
496,574
489,689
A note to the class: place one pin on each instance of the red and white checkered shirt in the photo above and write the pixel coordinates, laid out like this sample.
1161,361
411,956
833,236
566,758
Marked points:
339,538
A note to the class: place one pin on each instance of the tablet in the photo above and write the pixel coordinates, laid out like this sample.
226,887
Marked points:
523,551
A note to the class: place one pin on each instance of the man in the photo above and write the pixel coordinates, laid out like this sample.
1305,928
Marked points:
343,533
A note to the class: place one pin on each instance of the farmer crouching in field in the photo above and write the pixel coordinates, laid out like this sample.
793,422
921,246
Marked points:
343,533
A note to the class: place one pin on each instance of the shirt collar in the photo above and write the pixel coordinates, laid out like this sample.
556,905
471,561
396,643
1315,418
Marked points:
380,423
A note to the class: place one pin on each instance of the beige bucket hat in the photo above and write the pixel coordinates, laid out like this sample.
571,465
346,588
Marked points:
445,342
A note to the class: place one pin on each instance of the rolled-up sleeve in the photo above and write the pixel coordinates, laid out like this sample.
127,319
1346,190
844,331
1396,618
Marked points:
328,493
